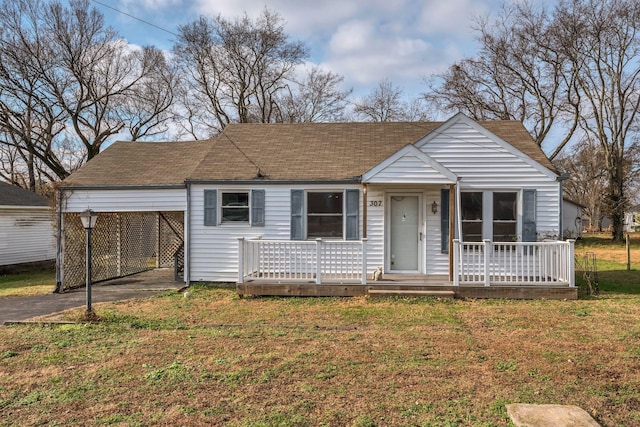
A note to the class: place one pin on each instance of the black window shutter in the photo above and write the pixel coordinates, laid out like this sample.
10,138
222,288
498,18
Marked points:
297,214
444,220
211,207
353,206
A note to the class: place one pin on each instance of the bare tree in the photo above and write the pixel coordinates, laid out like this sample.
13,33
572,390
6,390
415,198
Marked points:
520,73
574,70
606,54
587,183
235,69
385,103
318,98
148,111
68,84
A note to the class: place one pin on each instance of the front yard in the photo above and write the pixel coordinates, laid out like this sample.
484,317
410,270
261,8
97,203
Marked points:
214,359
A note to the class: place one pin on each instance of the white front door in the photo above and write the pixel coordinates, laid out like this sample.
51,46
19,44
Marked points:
404,233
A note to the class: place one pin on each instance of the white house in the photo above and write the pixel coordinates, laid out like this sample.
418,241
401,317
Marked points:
26,231
317,208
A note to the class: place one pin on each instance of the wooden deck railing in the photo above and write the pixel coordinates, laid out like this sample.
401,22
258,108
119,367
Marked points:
291,260
513,263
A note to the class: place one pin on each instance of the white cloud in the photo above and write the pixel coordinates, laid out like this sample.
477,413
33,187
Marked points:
363,40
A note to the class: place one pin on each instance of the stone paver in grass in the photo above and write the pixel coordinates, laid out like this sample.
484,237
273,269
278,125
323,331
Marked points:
526,415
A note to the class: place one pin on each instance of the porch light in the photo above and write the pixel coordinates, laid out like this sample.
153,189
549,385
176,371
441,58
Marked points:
434,207
89,219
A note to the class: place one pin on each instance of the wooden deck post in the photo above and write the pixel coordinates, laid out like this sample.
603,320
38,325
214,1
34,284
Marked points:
364,261
456,262
241,260
487,253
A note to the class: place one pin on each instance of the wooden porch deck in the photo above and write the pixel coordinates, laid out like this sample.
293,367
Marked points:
405,285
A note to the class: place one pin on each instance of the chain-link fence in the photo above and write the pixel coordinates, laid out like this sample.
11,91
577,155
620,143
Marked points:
121,244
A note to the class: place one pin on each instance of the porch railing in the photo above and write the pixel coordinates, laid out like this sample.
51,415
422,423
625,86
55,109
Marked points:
513,263
315,261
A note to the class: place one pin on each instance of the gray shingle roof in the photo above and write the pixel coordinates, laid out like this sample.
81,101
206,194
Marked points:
300,151
11,195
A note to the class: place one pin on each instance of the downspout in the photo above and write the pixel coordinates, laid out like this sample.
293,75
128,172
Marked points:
59,259
560,180
187,240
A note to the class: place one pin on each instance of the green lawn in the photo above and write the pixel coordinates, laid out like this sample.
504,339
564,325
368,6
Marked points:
214,359
28,283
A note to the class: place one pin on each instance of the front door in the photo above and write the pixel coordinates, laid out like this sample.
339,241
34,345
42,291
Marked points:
404,233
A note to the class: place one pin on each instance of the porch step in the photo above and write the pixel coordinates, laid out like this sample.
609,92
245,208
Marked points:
411,293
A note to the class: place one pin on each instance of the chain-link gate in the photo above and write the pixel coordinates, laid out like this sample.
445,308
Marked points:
121,244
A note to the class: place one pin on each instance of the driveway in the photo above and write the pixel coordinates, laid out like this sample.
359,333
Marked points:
141,285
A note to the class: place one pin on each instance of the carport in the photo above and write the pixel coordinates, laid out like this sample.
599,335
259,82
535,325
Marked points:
140,196
123,243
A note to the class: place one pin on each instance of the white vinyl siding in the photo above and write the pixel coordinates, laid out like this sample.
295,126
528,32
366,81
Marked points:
409,169
483,164
214,250
140,200
26,235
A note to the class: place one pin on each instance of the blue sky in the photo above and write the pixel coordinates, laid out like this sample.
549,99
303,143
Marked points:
365,41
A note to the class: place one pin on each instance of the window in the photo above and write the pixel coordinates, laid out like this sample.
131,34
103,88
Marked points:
505,217
235,207
324,214
494,215
471,216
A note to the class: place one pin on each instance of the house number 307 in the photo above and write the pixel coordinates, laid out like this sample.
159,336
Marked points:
375,203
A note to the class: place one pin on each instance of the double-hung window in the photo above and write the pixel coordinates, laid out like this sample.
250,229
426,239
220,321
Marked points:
471,216
505,217
325,214
490,215
234,207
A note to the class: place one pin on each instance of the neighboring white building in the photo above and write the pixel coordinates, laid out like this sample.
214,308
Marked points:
571,219
26,231
391,188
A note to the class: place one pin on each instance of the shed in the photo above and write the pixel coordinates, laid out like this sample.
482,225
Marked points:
26,229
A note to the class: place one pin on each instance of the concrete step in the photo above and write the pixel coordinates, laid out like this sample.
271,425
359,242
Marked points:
411,293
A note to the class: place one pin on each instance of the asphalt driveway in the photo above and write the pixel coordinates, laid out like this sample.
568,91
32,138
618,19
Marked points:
141,285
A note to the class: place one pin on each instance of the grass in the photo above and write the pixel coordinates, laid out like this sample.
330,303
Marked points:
216,359
35,282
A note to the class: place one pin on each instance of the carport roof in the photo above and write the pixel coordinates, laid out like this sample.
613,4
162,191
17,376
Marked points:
141,164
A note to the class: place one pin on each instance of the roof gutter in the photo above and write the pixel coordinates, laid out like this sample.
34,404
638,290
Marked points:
354,180
123,187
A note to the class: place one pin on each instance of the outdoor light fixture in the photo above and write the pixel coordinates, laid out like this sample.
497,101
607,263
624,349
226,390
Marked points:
434,207
89,219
